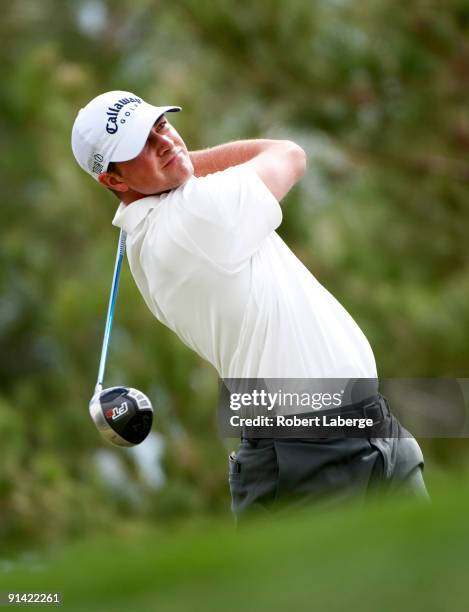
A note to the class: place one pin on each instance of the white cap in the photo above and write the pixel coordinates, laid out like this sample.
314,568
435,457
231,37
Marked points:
113,127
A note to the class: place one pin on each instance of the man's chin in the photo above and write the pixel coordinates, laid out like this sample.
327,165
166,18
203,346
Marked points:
184,177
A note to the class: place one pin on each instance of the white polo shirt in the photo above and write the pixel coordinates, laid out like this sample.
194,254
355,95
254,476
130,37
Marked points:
211,267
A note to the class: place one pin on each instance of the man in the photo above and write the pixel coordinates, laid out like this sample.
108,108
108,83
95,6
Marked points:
204,253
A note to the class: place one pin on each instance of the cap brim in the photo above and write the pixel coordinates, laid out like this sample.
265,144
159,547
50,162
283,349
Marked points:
133,144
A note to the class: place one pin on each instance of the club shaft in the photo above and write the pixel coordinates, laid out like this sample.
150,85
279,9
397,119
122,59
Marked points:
110,310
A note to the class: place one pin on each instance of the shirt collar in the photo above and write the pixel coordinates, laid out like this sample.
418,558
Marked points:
129,216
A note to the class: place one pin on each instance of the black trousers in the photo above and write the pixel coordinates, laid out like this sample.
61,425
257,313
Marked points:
272,475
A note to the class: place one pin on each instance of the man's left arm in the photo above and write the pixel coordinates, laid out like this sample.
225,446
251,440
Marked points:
224,156
279,163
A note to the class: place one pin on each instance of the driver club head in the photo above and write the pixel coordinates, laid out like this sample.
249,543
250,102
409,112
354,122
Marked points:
123,415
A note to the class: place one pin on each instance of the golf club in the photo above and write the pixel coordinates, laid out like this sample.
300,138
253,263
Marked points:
123,415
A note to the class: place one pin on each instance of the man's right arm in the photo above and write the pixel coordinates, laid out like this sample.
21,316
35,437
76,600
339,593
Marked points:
278,163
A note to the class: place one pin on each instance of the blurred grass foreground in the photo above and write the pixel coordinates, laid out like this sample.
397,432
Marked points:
399,556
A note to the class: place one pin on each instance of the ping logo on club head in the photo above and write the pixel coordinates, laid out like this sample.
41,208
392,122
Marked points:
117,411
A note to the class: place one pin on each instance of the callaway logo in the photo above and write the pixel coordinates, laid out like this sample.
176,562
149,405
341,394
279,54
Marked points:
117,411
113,112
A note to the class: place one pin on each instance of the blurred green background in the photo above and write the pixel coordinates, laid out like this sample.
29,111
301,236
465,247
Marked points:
377,94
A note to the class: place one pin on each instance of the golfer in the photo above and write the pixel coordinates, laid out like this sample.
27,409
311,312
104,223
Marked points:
204,253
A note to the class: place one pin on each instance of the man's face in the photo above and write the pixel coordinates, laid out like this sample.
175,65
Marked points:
162,165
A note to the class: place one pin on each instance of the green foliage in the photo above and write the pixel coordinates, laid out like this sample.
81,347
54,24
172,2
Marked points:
377,95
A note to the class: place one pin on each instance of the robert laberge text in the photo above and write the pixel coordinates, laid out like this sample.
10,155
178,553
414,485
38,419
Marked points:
296,421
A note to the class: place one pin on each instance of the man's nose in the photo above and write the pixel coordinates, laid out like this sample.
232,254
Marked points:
162,141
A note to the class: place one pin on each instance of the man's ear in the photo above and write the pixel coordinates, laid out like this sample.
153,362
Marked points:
112,181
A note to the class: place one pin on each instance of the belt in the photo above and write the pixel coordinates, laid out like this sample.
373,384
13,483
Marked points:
375,407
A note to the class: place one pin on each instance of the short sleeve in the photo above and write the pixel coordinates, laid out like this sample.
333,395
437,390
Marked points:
227,215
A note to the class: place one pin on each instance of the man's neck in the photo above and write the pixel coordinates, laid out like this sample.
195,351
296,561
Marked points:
127,198
130,197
